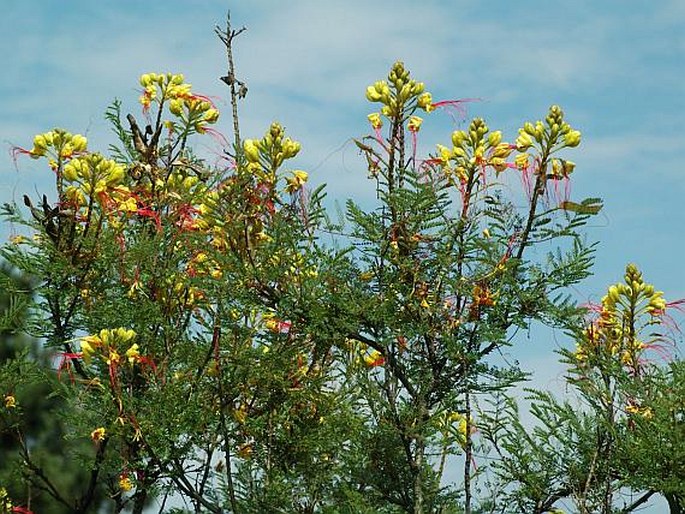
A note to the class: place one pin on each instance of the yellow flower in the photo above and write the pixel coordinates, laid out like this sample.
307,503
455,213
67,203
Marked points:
373,359
375,120
251,150
211,116
5,502
125,483
295,182
113,358
521,161
245,451
425,102
414,123
10,401
98,434
132,354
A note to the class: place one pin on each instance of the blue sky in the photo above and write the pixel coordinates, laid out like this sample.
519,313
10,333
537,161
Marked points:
617,67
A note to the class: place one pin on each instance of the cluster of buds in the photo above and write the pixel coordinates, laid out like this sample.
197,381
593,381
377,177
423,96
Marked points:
614,333
472,149
194,110
92,175
633,291
57,144
270,151
108,344
555,131
398,94
264,157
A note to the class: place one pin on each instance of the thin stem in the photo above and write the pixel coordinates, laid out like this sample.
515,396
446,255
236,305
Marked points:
227,38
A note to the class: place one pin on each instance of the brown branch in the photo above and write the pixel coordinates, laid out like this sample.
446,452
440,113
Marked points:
227,36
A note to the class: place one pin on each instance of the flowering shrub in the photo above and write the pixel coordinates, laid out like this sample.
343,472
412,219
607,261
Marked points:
211,347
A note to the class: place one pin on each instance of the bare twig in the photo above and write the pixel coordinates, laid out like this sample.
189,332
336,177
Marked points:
238,89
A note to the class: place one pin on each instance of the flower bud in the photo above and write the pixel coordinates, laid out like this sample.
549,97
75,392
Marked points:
251,150
458,137
372,95
79,143
503,150
572,138
495,138
523,141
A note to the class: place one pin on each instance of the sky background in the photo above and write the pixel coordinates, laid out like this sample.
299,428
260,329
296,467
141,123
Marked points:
617,67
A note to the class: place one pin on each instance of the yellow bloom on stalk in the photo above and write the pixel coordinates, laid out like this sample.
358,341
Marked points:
10,401
445,154
374,359
132,354
296,182
113,358
125,482
240,414
414,123
98,434
375,120
425,102
645,412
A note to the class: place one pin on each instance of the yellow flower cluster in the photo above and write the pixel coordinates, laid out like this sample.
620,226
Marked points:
57,144
269,152
194,110
108,344
555,131
398,92
92,175
615,333
471,150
